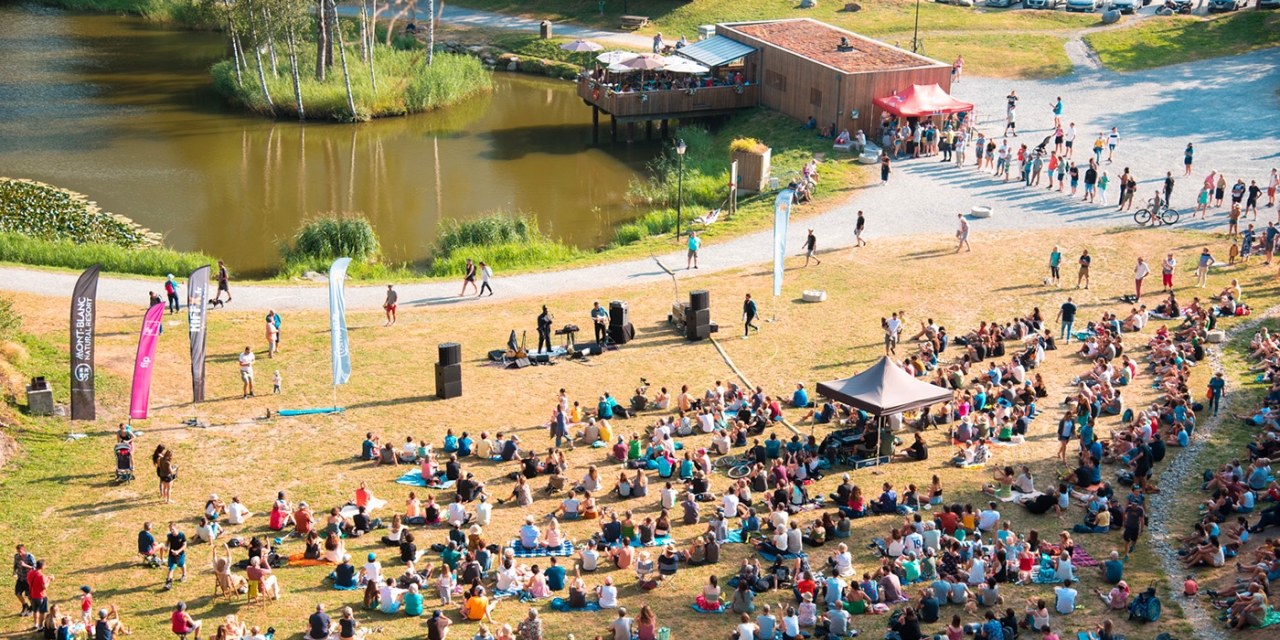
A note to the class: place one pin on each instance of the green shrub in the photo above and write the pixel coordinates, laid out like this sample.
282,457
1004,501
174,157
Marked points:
10,320
151,261
405,85
317,243
504,242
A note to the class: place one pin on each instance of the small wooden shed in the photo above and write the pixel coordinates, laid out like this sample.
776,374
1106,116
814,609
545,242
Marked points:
812,69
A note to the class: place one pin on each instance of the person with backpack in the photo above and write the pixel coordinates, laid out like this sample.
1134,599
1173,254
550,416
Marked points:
171,292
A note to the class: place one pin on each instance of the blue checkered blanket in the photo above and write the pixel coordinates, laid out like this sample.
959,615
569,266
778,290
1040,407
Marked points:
565,549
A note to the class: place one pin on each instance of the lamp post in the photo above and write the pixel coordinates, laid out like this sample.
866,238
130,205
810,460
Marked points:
915,35
680,148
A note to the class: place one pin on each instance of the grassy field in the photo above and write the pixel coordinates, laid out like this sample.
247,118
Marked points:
999,55
680,17
1157,43
59,499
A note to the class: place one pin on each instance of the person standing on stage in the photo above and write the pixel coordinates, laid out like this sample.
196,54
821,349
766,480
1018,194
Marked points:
544,329
600,320
748,316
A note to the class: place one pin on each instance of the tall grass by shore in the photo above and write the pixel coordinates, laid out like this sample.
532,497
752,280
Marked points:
151,261
405,85
505,242
190,14
319,242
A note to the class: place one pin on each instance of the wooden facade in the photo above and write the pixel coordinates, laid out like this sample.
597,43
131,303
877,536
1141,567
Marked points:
802,87
664,105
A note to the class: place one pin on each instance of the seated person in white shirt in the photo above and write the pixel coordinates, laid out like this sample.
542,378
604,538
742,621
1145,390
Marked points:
237,513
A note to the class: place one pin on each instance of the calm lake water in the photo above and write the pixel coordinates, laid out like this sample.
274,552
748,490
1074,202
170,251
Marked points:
124,112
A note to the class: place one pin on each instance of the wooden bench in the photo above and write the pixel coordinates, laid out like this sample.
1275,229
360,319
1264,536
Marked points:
634,22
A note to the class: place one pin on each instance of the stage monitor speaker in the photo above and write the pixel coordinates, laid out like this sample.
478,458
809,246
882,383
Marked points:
698,331
520,363
698,316
700,299
448,373
623,334
618,316
590,348
450,353
447,390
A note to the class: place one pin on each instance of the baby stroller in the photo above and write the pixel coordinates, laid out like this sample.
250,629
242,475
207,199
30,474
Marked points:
124,462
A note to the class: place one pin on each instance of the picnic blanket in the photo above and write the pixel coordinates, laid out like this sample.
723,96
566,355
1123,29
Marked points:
722,609
414,479
300,560
565,549
562,605
509,593
334,576
658,541
350,510
1081,558
736,536
788,556
1273,617
1018,496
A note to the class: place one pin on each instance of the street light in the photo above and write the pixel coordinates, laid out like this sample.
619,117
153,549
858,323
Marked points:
915,35
680,147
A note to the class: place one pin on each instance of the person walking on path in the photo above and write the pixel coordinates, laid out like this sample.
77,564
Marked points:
1070,140
1011,113
1217,385
749,313
23,563
246,372
1131,189
1202,204
485,274
389,305
1166,272
1202,269
38,583
963,234
223,284
811,248
1083,276
1233,221
858,228
1090,181
1057,112
272,331
691,257
1103,181
892,327
957,69
1055,260
171,292
1219,189
1168,188
1067,316
1113,139
1251,199
1187,156
1097,148
1272,184
1140,273
1269,239
469,278
884,169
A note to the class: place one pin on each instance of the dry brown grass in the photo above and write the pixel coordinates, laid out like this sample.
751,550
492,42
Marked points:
59,499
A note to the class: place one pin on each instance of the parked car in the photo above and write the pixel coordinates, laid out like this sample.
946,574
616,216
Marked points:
1129,6
1268,4
1227,5
1001,3
1042,4
1087,6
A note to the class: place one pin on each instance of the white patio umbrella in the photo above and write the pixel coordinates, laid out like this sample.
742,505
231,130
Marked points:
614,57
684,65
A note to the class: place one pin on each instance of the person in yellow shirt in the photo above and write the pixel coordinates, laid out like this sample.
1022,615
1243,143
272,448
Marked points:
606,431
477,607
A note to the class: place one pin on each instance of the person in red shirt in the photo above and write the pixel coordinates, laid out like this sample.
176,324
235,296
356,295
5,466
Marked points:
183,623
38,581
948,522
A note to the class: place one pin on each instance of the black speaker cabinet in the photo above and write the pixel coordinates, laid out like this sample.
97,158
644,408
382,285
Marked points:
622,334
448,381
450,353
700,299
698,324
618,316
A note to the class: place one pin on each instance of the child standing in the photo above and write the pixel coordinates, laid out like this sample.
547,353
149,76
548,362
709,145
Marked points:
86,606
445,585
275,382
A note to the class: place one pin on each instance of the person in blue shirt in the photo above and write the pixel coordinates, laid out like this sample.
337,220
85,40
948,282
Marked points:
773,447
1216,387
600,320
369,450
749,313
555,575
888,500
991,629
695,243
450,442
604,410
800,399
464,445
146,544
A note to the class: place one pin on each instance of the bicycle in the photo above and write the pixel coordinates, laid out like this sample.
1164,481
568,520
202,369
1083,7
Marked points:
733,466
1158,212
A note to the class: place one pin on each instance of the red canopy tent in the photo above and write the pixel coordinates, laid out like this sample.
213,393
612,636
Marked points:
920,100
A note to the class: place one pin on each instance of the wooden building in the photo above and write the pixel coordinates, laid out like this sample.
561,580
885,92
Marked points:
812,69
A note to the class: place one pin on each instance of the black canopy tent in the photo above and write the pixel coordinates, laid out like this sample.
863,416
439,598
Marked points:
881,390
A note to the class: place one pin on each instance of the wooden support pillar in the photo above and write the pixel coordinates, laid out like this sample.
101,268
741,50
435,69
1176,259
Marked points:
613,128
665,131
631,132
595,124
648,129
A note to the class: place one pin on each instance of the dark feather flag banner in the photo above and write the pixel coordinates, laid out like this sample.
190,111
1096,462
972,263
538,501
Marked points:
84,314
197,306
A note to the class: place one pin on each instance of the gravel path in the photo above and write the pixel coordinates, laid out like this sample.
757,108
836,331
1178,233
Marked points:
1227,107
1184,471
